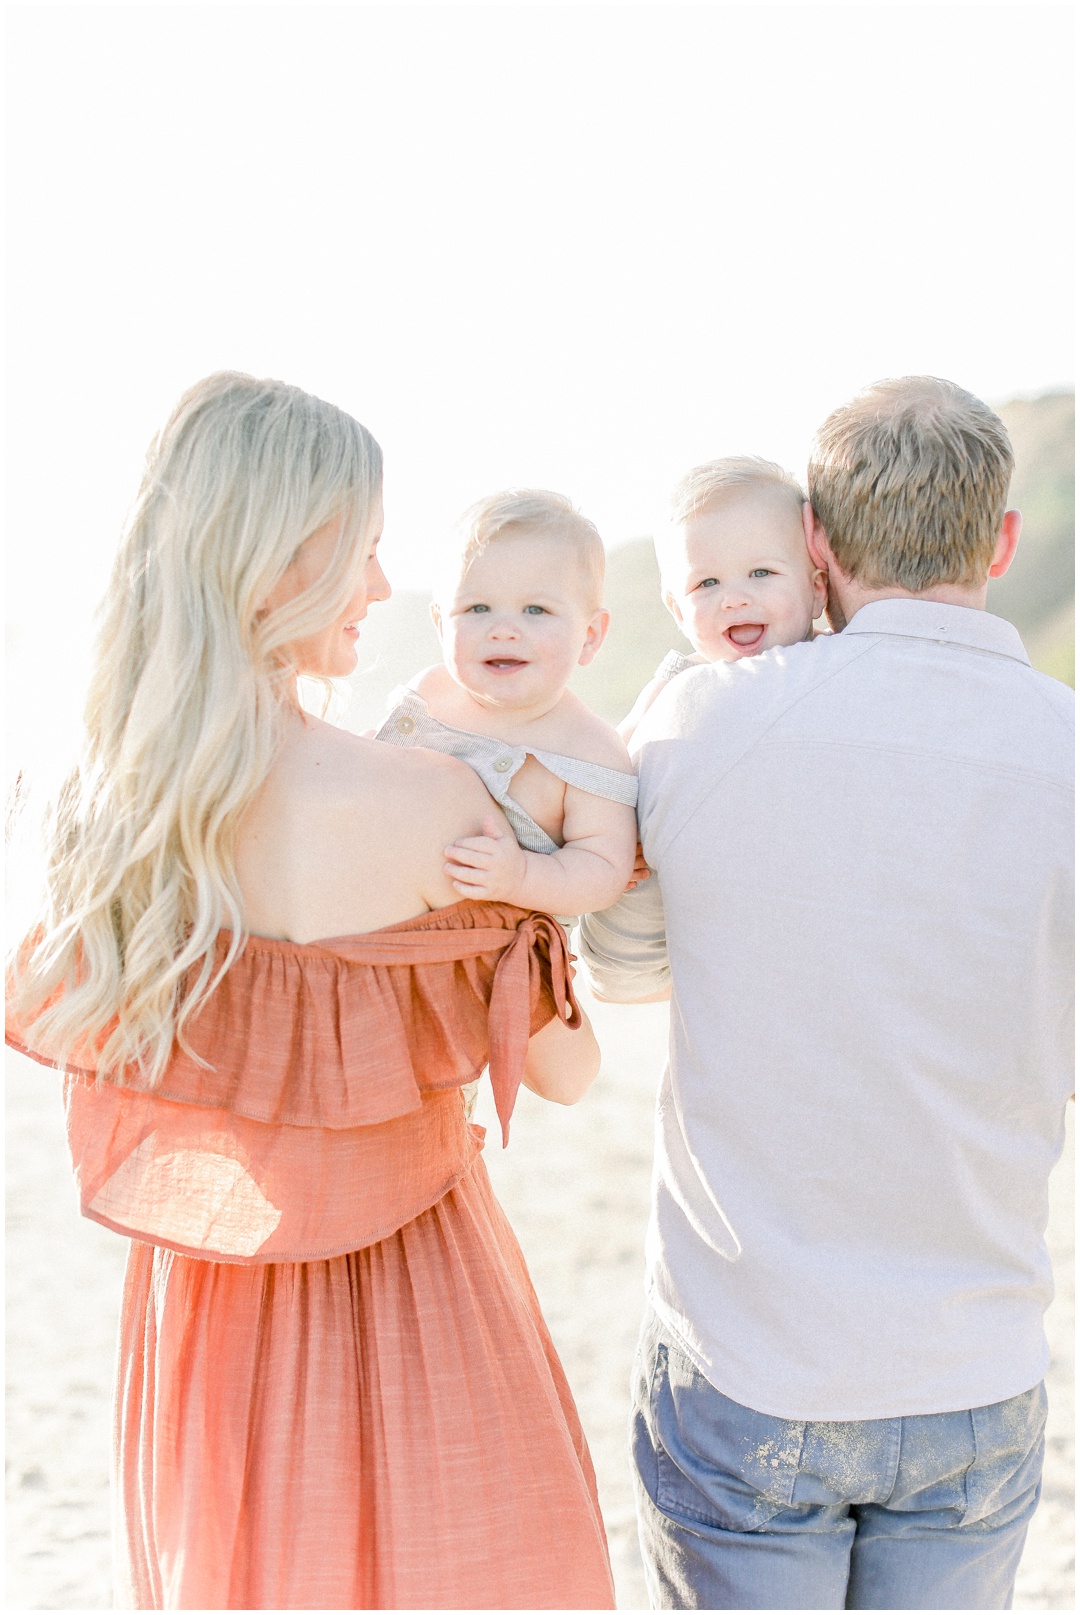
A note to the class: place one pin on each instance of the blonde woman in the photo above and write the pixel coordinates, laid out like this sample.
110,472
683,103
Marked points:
335,1387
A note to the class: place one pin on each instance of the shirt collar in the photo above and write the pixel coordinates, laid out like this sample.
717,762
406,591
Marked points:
929,619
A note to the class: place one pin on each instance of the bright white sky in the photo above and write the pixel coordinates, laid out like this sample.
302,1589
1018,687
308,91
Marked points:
573,246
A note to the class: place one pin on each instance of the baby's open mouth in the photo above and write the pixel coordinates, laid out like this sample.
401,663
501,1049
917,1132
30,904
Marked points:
504,664
746,636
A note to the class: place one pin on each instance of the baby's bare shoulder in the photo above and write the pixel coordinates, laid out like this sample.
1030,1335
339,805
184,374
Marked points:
586,735
432,683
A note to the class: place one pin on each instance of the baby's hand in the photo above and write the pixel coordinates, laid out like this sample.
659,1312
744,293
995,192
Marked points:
490,866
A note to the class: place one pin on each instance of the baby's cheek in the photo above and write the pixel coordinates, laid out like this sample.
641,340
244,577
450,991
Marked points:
802,612
706,634
459,648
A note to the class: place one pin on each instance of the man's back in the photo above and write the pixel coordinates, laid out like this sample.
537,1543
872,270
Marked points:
864,850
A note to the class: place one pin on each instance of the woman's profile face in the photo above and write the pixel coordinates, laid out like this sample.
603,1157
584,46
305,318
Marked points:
331,653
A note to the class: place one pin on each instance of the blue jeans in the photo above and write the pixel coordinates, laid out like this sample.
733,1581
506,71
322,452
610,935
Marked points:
740,1510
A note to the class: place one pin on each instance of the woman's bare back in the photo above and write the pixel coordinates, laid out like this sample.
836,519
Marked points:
349,835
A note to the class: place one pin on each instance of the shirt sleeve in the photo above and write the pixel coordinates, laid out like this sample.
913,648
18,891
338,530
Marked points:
624,948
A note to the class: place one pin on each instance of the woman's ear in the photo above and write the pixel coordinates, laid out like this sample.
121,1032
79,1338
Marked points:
595,634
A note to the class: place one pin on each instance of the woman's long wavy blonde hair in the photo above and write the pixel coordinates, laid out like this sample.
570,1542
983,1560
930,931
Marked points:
185,712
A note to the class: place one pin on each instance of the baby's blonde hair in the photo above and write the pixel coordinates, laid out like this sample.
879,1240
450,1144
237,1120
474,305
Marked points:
520,511
184,713
909,481
705,487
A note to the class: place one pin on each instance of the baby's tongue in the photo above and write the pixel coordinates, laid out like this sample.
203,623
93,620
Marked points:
746,632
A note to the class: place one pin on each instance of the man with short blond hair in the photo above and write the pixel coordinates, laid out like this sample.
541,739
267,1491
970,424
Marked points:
910,481
862,909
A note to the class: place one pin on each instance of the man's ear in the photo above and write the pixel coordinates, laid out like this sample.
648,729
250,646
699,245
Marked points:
595,634
436,617
816,541
674,607
820,586
1007,540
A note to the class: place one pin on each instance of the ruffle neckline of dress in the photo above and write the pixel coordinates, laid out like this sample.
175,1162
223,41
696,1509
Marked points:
351,1031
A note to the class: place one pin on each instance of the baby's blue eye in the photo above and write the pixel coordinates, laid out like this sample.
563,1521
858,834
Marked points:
479,608
535,610
761,572
708,583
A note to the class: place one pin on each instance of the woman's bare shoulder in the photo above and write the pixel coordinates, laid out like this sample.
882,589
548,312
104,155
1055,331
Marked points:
409,781
351,833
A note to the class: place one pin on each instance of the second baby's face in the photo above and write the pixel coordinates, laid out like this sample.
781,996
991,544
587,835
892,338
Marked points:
520,620
741,579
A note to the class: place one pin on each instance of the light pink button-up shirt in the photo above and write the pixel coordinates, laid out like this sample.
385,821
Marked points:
864,851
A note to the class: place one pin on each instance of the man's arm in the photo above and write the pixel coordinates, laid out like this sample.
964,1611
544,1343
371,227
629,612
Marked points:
624,948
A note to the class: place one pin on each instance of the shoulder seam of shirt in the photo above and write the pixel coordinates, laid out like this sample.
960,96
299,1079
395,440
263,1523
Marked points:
1007,771
710,784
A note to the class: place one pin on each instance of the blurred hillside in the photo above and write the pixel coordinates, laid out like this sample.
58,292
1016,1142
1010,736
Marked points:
1037,591
1036,594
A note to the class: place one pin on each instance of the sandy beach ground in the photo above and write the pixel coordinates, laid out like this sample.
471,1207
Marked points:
575,1184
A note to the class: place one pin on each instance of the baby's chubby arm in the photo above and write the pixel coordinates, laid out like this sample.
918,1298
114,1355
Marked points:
645,700
589,871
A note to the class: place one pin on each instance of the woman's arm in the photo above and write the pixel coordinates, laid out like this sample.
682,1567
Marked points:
562,1062
456,808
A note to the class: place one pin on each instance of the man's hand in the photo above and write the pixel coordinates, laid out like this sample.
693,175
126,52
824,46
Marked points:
641,873
490,866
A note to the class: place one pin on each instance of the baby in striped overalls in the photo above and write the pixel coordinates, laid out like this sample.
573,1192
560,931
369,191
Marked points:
522,610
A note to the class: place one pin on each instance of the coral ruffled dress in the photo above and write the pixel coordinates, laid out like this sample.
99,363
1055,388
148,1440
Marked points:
336,1390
